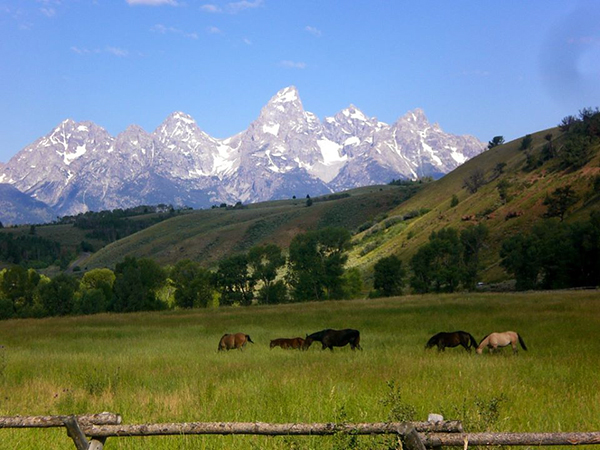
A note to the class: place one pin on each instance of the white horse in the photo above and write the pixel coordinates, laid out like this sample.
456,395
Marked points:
495,340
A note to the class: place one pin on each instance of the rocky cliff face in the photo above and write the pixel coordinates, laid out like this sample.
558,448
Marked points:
286,151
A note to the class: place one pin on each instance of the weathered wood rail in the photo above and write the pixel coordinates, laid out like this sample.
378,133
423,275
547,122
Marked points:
90,431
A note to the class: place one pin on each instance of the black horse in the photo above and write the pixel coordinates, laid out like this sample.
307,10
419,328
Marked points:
334,338
453,339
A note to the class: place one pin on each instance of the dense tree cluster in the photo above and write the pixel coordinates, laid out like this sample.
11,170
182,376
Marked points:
555,255
450,259
581,140
29,249
109,226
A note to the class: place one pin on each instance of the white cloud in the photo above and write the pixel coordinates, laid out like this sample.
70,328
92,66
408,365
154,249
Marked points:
236,7
292,64
48,12
80,51
152,2
210,8
159,28
231,7
312,30
213,30
121,53
247,41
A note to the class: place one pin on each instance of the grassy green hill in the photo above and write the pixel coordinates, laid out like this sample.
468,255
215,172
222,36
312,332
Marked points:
209,235
527,190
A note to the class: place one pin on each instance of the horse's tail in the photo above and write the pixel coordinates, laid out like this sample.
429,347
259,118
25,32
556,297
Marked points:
249,340
522,342
357,341
473,341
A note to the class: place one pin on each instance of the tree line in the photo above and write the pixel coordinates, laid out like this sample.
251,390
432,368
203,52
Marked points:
553,255
314,270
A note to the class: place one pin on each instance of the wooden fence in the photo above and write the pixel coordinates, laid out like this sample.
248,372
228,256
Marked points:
90,431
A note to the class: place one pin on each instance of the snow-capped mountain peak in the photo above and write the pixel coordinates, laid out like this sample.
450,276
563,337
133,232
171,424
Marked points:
286,151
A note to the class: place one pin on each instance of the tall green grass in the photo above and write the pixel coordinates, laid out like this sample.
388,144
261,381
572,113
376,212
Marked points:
154,367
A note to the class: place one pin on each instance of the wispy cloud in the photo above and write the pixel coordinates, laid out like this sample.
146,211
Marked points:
312,30
121,53
115,51
292,64
210,8
232,7
247,41
152,2
80,51
213,30
162,29
48,12
236,7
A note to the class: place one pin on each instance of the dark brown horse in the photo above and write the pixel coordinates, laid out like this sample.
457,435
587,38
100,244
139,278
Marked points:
294,343
334,338
231,341
452,339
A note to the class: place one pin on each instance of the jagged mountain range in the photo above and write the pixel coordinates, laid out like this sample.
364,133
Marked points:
286,151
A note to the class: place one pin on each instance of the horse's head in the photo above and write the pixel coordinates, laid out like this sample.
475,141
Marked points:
307,343
479,350
272,344
431,342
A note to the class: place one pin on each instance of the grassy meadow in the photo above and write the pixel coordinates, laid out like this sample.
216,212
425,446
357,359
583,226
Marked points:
164,367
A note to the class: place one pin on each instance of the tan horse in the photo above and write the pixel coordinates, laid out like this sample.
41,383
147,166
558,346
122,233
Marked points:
495,340
231,341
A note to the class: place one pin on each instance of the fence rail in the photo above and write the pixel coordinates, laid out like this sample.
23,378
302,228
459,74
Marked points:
90,431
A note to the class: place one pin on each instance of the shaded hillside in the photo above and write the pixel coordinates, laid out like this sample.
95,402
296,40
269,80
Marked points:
528,179
17,207
209,235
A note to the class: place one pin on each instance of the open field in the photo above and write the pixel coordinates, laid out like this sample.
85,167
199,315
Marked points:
155,367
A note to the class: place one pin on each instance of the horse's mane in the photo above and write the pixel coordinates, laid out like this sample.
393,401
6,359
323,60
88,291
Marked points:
484,338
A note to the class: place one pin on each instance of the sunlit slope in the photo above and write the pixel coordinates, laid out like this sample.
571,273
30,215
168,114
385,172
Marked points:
209,235
527,191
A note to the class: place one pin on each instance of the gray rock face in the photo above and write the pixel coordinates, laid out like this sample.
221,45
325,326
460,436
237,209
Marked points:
286,151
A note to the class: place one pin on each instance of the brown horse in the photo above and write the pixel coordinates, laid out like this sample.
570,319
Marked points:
295,343
231,341
495,340
452,339
334,338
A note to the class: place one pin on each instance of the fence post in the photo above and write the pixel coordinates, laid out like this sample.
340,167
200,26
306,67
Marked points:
75,433
412,441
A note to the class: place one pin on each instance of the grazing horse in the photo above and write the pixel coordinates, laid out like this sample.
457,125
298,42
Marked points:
295,343
495,340
231,341
334,338
453,339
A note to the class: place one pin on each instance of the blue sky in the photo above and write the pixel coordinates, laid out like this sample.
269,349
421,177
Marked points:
476,67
